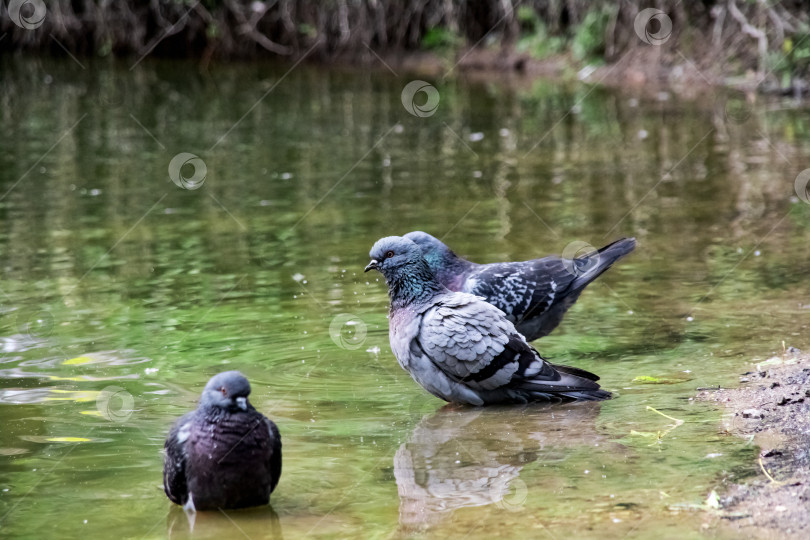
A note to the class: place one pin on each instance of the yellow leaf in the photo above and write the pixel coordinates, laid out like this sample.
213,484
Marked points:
72,395
77,361
67,439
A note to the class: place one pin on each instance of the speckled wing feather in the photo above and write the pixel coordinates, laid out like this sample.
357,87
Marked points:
472,342
521,289
536,294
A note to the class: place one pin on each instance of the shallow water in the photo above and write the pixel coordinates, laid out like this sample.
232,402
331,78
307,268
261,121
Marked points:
123,293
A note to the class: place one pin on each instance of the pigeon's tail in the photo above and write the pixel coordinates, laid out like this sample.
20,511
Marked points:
589,395
591,266
575,371
557,394
573,384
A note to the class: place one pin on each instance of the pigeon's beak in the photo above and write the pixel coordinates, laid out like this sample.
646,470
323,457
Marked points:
373,265
241,402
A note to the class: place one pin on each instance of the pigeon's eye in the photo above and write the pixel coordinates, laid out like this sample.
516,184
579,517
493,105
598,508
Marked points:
222,389
389,254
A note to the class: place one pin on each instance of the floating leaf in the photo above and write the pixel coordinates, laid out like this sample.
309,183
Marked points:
644,433
67,439
71,395
74,379
646,379
79,360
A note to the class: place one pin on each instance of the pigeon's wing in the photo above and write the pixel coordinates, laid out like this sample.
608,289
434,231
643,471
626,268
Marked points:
472,342
174,462
521,289
274,456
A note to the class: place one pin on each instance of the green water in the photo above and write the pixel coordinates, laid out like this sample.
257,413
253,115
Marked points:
121,290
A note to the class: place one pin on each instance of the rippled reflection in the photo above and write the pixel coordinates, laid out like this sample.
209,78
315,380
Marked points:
466,457
254,523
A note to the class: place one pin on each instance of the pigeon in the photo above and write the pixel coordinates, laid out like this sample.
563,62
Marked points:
461,348
225,454
534,294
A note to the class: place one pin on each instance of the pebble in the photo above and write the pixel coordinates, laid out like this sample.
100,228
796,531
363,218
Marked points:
753,413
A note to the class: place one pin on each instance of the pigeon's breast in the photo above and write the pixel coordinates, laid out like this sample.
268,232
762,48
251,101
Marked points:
228,461
403,329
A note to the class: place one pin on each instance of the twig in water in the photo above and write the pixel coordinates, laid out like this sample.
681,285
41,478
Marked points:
771,478
677,422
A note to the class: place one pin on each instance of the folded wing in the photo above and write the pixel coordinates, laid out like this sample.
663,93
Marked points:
473,344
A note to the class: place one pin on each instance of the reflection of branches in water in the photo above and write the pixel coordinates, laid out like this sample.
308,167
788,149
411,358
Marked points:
473,457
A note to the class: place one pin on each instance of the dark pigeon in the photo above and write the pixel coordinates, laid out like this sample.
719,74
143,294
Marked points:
534,294
459,347
225,454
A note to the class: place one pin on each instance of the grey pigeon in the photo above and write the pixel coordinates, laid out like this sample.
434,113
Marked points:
461,348
534,294
225,454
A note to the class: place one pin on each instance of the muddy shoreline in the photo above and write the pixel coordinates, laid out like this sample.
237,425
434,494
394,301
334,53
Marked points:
771,408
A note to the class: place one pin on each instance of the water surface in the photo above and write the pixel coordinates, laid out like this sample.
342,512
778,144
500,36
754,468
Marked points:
120,289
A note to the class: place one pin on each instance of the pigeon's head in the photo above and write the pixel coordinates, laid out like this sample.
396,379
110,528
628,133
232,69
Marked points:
433,250
392,253
227,390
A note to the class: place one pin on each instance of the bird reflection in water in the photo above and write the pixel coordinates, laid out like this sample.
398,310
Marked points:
260,522
462,457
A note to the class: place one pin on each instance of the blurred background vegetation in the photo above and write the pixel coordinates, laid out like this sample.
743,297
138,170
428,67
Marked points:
717,38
